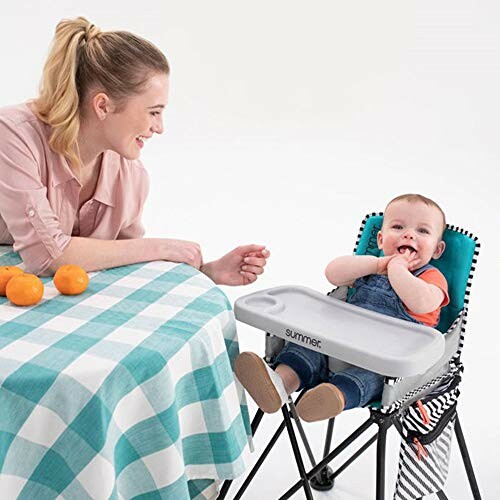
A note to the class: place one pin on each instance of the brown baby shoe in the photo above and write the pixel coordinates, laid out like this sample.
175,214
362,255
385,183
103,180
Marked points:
322,402
261,382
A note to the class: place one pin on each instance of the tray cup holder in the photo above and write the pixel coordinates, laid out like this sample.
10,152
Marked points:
268,304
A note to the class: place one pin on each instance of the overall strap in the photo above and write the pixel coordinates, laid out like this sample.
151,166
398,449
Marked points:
422,269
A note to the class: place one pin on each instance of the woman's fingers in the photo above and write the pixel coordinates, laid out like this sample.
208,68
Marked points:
251,248
252,269
255,261
263,252
249,277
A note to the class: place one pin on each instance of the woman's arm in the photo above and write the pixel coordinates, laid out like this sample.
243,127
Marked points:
94,254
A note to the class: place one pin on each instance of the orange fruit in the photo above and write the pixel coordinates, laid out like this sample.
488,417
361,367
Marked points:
71,280
24,289
7,272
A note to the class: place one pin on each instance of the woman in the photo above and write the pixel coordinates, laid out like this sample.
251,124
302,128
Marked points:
72,188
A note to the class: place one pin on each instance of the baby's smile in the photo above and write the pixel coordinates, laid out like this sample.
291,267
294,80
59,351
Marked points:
403,248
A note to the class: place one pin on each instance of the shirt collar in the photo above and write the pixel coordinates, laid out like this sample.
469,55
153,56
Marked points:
62,173
108,176
104,192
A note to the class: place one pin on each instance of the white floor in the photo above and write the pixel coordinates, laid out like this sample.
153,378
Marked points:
357,482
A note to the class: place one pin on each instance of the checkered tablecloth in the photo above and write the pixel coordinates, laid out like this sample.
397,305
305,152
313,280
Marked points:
125,391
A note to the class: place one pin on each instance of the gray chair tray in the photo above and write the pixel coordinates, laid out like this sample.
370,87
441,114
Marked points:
380,343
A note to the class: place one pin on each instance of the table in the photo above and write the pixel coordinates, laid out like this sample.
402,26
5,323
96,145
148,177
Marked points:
125,391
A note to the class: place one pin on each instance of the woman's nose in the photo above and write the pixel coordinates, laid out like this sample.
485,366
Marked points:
157,127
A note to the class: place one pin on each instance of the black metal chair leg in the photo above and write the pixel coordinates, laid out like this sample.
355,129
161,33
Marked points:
354,457
259,462
255,424
225,488
339,448
467,462
296,452
383,426
302,433
328,438
324,480
256,420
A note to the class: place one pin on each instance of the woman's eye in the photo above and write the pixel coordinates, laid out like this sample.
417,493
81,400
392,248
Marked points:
155,113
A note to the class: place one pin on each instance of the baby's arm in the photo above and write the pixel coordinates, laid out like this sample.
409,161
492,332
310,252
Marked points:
417,295
345,270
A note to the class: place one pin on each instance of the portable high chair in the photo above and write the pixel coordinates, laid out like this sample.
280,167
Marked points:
422,370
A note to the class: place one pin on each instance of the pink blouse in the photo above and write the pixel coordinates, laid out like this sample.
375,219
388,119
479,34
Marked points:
39,193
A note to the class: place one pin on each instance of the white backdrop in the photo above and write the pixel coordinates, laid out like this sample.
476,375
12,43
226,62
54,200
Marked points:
287,123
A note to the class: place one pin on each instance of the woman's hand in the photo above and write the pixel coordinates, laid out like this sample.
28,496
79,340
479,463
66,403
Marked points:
187,252
241,266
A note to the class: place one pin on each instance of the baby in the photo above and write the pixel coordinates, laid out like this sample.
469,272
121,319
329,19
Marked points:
401,283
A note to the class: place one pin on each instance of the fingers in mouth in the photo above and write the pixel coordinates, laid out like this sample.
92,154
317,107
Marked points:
403,248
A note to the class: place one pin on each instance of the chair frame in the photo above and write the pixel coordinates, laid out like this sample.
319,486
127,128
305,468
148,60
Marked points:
320,476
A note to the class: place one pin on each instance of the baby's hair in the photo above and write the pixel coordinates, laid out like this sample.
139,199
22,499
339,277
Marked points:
413,198
83,57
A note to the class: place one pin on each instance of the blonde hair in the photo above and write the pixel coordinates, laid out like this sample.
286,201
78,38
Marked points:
81,57
413,198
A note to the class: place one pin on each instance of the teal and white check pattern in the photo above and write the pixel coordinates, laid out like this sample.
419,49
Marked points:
125,391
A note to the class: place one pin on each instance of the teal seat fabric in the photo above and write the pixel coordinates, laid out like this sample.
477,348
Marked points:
455,263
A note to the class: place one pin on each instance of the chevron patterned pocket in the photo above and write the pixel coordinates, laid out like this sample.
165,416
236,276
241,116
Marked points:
426,428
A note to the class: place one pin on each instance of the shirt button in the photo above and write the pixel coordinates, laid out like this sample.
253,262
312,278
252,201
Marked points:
31,213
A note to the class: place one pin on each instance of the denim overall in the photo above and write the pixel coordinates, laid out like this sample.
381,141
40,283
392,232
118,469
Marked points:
358,385
375,292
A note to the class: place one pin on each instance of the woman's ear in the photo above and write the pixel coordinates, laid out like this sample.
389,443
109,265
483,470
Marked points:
439,250
380,240
101,105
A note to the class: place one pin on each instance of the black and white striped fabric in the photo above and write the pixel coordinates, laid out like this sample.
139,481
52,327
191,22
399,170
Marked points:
426,428
418,478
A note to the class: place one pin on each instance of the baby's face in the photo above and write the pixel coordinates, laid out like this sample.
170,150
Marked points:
412,226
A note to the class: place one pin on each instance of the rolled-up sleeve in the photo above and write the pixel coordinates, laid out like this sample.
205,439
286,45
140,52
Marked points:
24,206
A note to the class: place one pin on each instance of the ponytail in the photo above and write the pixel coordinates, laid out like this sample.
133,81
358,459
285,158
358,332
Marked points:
82,56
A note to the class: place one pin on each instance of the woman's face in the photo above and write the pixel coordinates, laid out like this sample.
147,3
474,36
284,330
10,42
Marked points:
126,130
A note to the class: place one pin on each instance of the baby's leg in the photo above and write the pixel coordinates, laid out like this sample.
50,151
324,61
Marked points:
358,385
296,367
350,388
290,379
300,368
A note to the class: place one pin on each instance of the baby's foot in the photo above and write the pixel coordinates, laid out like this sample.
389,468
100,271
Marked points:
322,402
262,383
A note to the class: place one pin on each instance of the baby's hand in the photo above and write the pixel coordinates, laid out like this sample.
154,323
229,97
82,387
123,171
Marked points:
405,259
382,263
